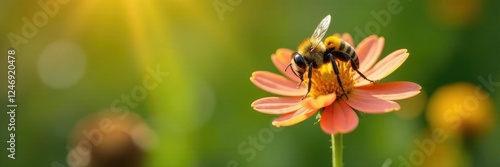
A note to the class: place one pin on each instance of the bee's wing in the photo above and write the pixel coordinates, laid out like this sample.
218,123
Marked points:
320,31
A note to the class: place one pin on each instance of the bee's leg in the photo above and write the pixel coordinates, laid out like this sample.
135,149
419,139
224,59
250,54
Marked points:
309,76
336,70
355,67
364,77
300,83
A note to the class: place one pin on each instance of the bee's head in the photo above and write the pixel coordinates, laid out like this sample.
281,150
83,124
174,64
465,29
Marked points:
309,52
298,64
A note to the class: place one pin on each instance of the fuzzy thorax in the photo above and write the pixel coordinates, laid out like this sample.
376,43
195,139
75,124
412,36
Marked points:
324,80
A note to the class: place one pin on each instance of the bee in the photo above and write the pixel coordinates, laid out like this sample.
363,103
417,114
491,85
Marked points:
312,53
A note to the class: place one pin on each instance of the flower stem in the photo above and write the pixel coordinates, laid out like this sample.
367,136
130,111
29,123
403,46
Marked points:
337,150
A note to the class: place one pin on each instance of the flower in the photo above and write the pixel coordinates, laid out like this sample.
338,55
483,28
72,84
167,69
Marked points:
461,109
337,116
108,139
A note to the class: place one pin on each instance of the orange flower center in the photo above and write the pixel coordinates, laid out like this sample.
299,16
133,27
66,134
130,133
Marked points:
324,80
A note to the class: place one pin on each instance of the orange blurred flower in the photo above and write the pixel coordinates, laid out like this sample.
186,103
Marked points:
106,139
337,114
456,13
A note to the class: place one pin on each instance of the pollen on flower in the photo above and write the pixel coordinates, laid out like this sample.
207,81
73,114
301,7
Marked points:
324,80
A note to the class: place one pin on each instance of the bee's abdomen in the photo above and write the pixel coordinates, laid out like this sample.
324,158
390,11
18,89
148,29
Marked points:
346,48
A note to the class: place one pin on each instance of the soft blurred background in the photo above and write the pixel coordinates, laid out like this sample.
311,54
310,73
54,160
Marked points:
166,83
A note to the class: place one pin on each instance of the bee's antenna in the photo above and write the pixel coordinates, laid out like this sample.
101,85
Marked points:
289,65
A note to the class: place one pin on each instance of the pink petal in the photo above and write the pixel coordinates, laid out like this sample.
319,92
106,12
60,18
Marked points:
276,84
319,102
293,118
385,67
277,105
371,104
364,48
348,38
371,53
281,59
338,118
389,91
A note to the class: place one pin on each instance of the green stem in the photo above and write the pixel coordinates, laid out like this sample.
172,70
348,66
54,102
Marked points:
337,150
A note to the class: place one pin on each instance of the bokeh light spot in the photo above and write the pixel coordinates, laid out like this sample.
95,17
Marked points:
61,64
455,13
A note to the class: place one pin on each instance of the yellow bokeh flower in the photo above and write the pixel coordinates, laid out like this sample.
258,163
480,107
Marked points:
461,109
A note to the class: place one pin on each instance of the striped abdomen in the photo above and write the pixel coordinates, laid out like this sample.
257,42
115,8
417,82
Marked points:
336,44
